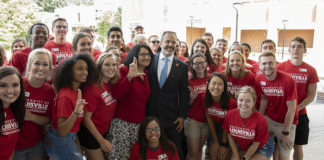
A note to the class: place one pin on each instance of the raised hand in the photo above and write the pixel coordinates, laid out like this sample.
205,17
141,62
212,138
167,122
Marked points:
80,103
193,94
133,72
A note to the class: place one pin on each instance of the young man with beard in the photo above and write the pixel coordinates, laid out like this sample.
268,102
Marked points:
38,37
169,90
278,94
59,46
306,79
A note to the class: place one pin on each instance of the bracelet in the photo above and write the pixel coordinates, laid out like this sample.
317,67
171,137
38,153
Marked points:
76,113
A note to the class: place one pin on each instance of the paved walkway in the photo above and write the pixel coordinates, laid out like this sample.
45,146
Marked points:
315,148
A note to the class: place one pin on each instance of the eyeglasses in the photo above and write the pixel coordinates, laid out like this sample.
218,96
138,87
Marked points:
199,63
155,42
60,27
150,130
144,55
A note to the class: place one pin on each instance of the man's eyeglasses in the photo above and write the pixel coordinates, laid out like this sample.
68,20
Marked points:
154,42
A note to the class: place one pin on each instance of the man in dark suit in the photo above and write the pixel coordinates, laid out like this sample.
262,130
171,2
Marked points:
169,89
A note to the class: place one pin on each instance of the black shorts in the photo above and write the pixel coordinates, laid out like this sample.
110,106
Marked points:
302,130
86,139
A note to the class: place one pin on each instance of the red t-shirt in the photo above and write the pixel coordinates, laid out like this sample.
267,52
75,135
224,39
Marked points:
64,105
19,59
131,96
153,155
61,51
123,56
246,130
256,69
224,60
39,101
217,113
235,84
183,58
304,75
96,53
9,134
251,62
278,92
195,111
101,104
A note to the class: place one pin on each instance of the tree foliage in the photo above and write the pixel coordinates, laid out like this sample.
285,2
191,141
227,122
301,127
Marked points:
16,18
51,5
108,19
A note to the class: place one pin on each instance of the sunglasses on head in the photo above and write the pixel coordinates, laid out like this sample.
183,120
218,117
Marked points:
155,42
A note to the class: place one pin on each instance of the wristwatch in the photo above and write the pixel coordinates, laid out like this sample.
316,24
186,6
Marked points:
286,133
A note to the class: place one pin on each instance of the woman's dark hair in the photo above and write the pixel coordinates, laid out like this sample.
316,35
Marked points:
64,74
134,53
193,72
224,100
207,54
186,53
17,107
164,142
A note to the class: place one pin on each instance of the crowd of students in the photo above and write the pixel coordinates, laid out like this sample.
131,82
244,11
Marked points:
152,99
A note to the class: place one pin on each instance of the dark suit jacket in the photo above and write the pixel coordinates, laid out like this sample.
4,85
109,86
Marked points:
171,101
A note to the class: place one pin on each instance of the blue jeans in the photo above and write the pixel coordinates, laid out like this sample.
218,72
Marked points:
61,148
267,149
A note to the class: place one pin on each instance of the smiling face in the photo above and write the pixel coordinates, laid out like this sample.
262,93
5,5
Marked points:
60,29
267,65
245,103
235,62
246,51
217,56
199,65
222,46
115,39
80,72
109,68
143,58
153,133
9,89
40,67
209,40
200,47
84,45
39,36
168,44
216,87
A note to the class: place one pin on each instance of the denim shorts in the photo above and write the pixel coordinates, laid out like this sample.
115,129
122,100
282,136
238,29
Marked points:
61,148
267,149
